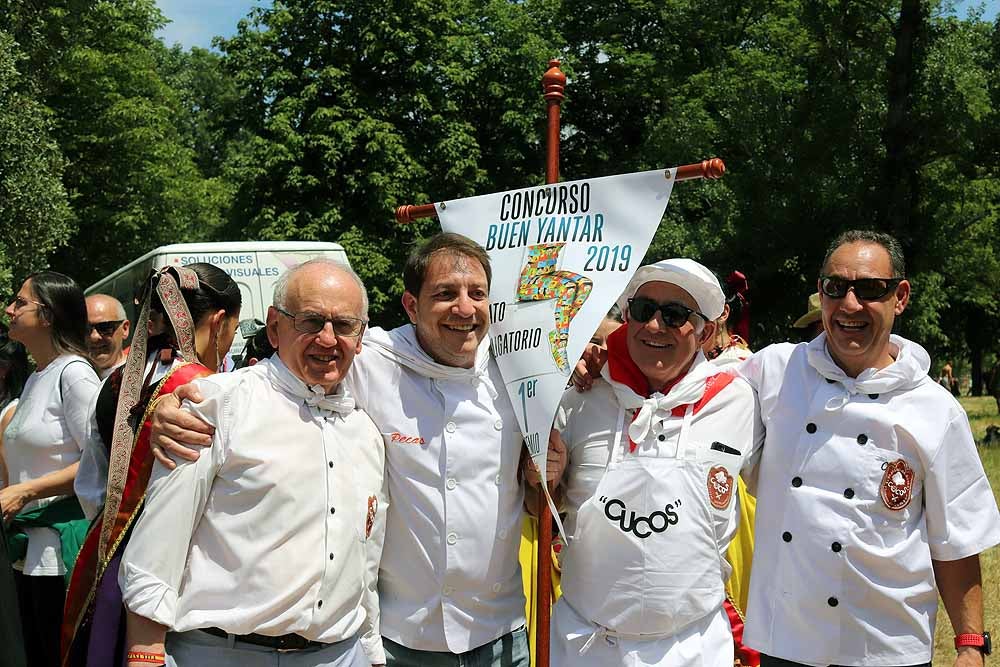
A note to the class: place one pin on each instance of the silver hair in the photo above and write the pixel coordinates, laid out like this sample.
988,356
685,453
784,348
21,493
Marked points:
119,308
281,285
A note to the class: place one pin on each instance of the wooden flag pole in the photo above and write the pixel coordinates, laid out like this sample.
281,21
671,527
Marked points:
553,90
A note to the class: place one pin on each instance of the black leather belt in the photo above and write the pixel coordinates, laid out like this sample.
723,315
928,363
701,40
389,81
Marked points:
290,642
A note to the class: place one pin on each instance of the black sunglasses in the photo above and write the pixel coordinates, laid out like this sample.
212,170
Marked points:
865,289
642,309
105,328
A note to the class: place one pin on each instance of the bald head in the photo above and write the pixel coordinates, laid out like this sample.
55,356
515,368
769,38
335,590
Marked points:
108,331
320,267
319,313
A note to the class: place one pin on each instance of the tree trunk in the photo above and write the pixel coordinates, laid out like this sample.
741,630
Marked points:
900,173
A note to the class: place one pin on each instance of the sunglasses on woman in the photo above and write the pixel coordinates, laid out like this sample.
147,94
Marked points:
643,309
865,289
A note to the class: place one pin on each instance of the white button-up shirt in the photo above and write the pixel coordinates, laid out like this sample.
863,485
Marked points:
838,576
450,578
268,531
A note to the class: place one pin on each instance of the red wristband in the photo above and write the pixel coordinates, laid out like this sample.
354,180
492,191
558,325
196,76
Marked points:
970,639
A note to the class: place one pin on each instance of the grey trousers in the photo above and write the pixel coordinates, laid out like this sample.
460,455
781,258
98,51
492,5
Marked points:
200,649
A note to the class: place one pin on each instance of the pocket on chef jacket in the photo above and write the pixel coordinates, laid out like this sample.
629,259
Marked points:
893,491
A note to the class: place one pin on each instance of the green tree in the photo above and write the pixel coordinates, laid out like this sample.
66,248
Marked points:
353,108
133,183
35,217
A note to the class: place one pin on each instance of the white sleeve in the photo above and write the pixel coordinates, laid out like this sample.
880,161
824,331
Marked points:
79,385
371,638
962,515
91,480
154,559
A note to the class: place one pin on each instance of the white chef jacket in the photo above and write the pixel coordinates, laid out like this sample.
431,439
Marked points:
587,422
46,434
838,577
268,531
450,578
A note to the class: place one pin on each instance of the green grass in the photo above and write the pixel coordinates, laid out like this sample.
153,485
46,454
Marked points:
982,412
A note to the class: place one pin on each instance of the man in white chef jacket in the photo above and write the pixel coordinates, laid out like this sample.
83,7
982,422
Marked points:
449,582
871,497
655,449
258,553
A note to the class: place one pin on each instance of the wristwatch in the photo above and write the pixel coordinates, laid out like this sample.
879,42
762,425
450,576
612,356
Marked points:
981,642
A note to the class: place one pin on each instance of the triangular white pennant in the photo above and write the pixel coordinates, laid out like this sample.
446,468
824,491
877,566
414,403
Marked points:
561,255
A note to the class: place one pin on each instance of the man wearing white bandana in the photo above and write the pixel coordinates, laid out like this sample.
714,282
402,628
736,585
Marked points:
871,497
264,550
655,449
449,582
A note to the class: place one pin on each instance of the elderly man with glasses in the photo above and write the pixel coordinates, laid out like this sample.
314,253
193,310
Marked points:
871,497
264,551
108,329
655,449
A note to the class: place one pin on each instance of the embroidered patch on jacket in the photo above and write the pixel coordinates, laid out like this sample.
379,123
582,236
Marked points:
720,487
897,485
396,436
370,519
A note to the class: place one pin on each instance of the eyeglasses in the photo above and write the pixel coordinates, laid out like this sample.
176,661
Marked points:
20,302
865,289
105,329
312,323
641,309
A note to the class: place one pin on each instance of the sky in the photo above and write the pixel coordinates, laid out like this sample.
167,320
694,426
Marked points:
195,22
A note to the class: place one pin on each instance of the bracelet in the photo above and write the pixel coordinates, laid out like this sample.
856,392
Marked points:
142,656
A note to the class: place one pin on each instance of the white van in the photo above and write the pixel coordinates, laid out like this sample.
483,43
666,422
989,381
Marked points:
254,265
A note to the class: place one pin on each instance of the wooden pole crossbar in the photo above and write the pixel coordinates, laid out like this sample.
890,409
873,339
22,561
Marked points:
553,90
711,169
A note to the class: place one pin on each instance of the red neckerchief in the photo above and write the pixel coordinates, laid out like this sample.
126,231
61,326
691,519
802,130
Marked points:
623,370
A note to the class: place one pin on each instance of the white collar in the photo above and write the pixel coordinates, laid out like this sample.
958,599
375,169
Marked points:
314,395
401,346
907,371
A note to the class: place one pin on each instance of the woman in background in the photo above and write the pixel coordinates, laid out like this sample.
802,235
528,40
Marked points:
42,446
115,469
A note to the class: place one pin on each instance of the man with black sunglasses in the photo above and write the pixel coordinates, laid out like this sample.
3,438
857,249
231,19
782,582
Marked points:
107,331
654,452
871,497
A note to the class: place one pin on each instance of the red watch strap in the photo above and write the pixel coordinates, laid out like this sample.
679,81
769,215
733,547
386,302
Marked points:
969,639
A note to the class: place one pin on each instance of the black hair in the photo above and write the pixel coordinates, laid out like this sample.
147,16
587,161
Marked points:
216,291
14,353
447,243
64,308
887,241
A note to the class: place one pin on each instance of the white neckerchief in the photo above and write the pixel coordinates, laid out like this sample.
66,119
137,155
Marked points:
656,408
401,346
314,395
907,371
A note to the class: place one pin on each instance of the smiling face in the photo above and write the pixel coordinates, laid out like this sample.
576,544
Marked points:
858,331
452,311
663,353
106,351
320,358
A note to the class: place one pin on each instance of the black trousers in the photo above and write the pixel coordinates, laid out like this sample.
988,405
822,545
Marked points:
11,641
40,600
769,661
